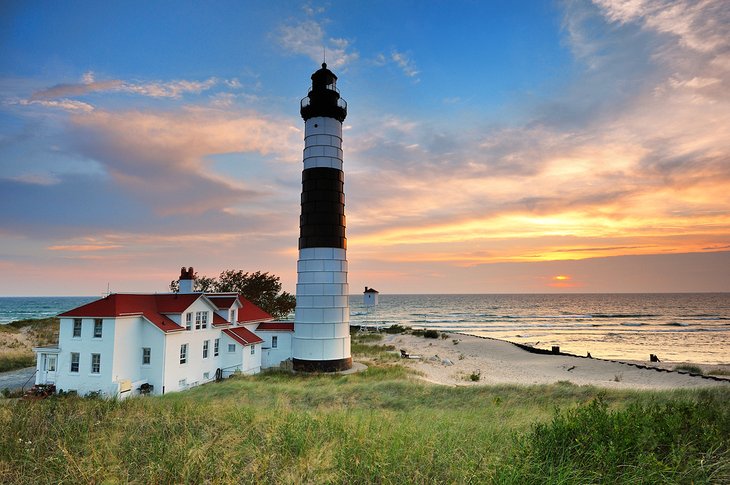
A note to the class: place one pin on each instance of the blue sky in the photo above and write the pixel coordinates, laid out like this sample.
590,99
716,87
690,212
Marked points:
489,146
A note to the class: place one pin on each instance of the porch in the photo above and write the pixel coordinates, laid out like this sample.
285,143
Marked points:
46,364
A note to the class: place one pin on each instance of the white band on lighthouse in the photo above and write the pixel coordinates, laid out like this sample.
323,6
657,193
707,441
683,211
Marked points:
323,143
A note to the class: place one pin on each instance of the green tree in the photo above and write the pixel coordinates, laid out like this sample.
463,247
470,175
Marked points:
262,289
200,283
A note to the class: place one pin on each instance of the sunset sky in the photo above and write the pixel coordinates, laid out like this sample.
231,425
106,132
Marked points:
490,147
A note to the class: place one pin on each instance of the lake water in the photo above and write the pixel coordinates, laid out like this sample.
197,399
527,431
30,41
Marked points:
676,327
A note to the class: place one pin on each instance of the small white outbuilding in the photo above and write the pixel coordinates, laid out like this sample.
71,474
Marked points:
370,297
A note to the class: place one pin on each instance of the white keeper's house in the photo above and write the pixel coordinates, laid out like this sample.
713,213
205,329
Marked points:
129,344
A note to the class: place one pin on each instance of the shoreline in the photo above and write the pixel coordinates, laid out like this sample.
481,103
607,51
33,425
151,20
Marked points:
453,361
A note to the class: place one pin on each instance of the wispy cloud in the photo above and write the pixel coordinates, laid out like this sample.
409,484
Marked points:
69,105
84,247
155,89
407,65
307,37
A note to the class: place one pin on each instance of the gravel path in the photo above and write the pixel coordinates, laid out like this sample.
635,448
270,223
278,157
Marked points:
15,379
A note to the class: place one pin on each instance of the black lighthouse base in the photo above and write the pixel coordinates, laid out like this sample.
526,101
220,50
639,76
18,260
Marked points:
335,365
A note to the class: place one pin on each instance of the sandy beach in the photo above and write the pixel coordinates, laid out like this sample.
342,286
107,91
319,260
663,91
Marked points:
451,361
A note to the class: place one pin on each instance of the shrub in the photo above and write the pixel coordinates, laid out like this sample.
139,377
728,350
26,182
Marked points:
431,334
689,368
475,376
7,393
367,337
718,372
418,332
396,329
656,442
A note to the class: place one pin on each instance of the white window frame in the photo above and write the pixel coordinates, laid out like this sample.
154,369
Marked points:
50,363
231,348
206,347
274,342
98,327
216,347
96,363
146,356
198,318
204,320
253,349
189,321
76,361
77,327
183,354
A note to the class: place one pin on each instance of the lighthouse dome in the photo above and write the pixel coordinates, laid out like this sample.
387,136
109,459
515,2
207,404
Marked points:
323,98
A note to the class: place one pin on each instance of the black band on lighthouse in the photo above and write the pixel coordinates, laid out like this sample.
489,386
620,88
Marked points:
322,223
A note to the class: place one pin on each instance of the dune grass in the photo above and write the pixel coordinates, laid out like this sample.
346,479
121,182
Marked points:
16,360
18,337
43,331
692,369
378,426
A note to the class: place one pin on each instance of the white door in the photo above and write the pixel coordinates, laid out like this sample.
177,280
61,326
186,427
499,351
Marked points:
48,371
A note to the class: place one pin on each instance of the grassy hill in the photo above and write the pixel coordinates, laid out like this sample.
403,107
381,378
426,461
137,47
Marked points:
378,426
19,337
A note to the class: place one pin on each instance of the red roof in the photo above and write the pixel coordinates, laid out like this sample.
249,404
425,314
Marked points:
242,335
222,300
153,307
250,313
219,320
287,326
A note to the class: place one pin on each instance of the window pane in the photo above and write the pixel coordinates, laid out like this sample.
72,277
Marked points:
95,363
74,361
183,353
77,327
97,328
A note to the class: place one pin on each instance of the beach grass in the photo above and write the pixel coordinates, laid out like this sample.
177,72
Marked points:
380,425
692,369
43,331
16,360
18,337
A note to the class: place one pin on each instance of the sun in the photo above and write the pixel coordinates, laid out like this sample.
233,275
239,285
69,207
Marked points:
562,281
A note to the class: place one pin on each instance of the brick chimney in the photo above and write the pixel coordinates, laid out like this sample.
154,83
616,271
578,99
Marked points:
186,280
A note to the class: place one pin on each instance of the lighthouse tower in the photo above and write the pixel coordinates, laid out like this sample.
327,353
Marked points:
322,319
